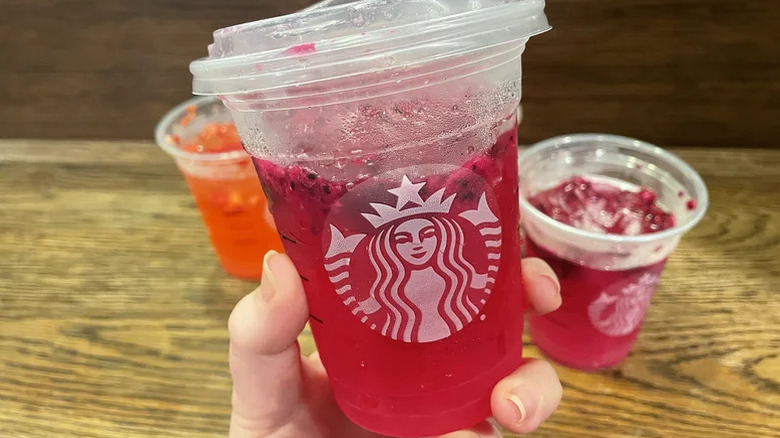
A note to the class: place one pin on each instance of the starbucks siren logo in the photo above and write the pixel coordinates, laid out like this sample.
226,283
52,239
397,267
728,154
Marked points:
430,269
622,313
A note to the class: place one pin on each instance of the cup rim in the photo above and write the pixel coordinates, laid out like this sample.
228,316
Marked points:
700,189
174,114
253,57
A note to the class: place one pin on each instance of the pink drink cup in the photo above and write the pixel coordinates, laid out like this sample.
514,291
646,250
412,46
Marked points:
607,281
384,134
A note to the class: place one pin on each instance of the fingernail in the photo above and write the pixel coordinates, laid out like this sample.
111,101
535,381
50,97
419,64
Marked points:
553,283
522,404
268,287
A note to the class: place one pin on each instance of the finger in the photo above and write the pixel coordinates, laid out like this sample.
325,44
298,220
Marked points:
315,364
264,353
482,430
542,287
524,399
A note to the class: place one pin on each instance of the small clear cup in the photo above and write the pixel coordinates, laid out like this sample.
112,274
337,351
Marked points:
607,281
225,187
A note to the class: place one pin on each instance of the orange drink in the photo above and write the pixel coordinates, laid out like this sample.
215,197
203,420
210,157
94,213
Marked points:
202,138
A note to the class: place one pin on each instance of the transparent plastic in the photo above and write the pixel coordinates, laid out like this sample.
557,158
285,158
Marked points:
607,280
356,39
384,134
225,188
220,165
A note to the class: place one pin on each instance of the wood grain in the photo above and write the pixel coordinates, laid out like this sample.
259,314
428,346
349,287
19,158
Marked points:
695,72
113,309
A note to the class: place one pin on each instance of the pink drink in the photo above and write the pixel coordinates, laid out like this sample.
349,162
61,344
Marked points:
605,212
602,310
384,136
413,317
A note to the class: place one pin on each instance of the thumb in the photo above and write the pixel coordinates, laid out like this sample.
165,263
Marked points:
264,353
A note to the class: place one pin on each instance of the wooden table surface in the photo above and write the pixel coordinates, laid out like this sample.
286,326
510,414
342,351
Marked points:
113,310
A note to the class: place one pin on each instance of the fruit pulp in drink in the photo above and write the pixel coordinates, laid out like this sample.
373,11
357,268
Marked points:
602,311
412,276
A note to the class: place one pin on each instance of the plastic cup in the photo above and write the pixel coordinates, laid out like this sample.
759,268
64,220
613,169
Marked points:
384,134
607,281
224,185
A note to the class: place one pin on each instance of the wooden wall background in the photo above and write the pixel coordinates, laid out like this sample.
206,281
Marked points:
686,72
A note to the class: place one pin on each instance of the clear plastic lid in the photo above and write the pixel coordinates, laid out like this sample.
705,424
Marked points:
356,38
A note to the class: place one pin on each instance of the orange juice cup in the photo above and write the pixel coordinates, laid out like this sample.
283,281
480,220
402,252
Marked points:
201,137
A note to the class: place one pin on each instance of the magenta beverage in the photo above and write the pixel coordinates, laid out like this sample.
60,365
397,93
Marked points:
427,273
605,212
615,301
385,137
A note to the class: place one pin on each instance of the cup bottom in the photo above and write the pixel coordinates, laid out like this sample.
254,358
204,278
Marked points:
590,357
424,425
235,214
243,269
396,417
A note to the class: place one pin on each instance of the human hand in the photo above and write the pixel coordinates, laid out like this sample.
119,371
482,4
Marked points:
277,393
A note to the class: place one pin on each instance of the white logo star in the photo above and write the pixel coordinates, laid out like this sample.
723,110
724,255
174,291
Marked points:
407,192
